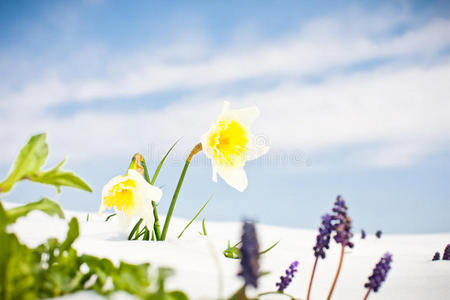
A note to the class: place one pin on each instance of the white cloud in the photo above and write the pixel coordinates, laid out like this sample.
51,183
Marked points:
401,108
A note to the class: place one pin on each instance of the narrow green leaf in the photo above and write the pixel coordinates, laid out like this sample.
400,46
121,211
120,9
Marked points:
268,249
204,227
155,175
135,228
195,217
60,178
110,216
46,205
28,162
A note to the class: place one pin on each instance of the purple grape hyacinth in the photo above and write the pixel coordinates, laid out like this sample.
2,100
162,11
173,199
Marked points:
378,234
446,255
343,225
323,238
437,256
250,255
286,280
379,273
363,234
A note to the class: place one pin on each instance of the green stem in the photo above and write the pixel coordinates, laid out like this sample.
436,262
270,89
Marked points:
156,227
194,151
174,201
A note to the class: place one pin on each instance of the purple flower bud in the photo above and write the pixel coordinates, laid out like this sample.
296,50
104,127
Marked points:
378,234
323,238
363,234
379,273
286,280
437,256
250,255
446,255
343,224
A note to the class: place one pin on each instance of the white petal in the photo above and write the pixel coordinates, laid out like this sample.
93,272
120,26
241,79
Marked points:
245,116
258,146
108,187
124,220
146,212
147,191
226,108
236,178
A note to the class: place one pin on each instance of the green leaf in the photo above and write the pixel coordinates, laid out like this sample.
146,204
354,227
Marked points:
3,218
28,162
195,217
155,175
72,234
268,249
177,295
46,205
110,216
235,253
135,229
60,178
232,251
204,227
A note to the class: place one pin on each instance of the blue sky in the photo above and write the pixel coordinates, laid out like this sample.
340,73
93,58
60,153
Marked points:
354,100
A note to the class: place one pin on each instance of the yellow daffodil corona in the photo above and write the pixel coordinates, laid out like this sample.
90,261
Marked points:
131,196
229,144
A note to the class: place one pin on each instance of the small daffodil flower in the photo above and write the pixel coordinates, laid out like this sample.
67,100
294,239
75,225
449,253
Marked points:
229,144
130,196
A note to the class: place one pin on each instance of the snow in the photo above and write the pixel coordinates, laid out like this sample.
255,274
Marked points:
204,273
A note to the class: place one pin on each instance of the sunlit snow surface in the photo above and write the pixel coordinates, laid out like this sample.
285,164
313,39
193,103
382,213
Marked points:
204,273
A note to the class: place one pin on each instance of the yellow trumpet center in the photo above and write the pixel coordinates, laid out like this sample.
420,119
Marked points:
229,143
122,196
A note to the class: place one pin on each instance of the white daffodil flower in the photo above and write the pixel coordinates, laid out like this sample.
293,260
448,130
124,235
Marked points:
229,144
131,196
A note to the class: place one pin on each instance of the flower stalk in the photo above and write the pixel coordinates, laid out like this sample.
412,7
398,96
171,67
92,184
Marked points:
312,277
194,151
337,273
367,294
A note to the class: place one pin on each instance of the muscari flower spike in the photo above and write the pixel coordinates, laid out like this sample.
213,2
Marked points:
379,273
446,255
130,196
343,224
229,144
323,238
286,280
363,234
249,255
378,234
437,256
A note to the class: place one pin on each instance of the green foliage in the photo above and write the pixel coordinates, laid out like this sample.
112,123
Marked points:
233,251
28,165
204,227
58,178
46,205
54,268
30,160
